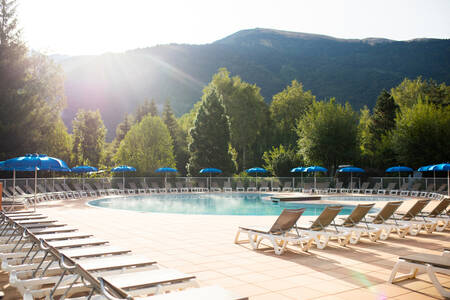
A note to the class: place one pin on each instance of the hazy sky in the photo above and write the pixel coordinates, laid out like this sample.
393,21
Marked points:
97,26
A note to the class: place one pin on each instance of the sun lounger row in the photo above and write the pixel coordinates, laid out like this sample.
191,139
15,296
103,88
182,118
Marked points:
359,223
351,228
45,258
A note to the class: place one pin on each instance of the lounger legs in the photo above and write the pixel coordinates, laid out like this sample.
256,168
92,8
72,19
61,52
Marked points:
414,268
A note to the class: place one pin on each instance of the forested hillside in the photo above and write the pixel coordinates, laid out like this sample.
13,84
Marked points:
350,70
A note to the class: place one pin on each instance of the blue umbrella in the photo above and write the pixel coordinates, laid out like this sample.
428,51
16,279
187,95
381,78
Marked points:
210,171
351,170
123,169
399,169
84,169
315,169
34,162
165,170
443,167
424,168
427,169
256,170
298,169
301,170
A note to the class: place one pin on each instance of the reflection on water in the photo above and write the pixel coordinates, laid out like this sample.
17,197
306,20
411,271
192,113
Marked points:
208,204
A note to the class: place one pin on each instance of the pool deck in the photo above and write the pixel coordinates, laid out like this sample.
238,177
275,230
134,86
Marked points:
202,245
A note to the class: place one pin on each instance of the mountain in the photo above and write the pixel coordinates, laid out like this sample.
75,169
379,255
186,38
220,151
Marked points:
351,70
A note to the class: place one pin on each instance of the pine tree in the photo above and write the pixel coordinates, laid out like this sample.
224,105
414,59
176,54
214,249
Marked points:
210,138
88,138
31,93
146,108
178,138
383,118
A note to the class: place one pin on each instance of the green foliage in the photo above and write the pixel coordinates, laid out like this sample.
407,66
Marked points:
280,160
248,115
147,146
328,134
287,108
121,131
123,128
409,92
210,138
383,118
88,138
178,138
365,136
31,94
58,142
422,134
146,108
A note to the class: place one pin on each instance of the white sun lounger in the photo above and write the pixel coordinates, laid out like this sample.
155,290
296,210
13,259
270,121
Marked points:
322,233
429,263
279,234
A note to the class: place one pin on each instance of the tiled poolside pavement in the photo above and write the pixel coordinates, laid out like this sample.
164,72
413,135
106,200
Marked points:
203,245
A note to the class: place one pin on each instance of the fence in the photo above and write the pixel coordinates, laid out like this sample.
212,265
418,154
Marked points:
48,184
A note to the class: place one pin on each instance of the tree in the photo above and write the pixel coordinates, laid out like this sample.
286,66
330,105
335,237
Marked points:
280,160
287,108
58,142
146,108
88,137
147,146
121,131
248,115
210,138
365,136
422,134
376,148
31,92
178,138
328,134
409,92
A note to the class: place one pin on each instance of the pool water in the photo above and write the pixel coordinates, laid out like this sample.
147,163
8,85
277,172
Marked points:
209,204
373,198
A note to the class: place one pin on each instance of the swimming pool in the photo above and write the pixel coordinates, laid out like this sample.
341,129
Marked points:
243,204
373,198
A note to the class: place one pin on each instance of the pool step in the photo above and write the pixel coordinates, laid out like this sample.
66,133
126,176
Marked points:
294,198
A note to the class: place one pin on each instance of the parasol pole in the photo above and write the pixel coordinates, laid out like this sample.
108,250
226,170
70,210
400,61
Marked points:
399,180
123,179
314,181
35,186
351,180
448,182
434,177
14,186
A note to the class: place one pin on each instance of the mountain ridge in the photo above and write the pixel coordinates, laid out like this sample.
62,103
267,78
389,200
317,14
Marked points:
354,70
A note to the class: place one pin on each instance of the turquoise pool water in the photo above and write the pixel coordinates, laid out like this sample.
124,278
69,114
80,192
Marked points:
208,204
373,198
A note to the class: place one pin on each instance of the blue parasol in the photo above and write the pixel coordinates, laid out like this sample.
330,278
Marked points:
443,167
165,170
256,170
299,170
123,169
34,162
84,169
351,170
315,169
399,169
210,171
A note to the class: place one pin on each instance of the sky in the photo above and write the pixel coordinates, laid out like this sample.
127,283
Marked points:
80,27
